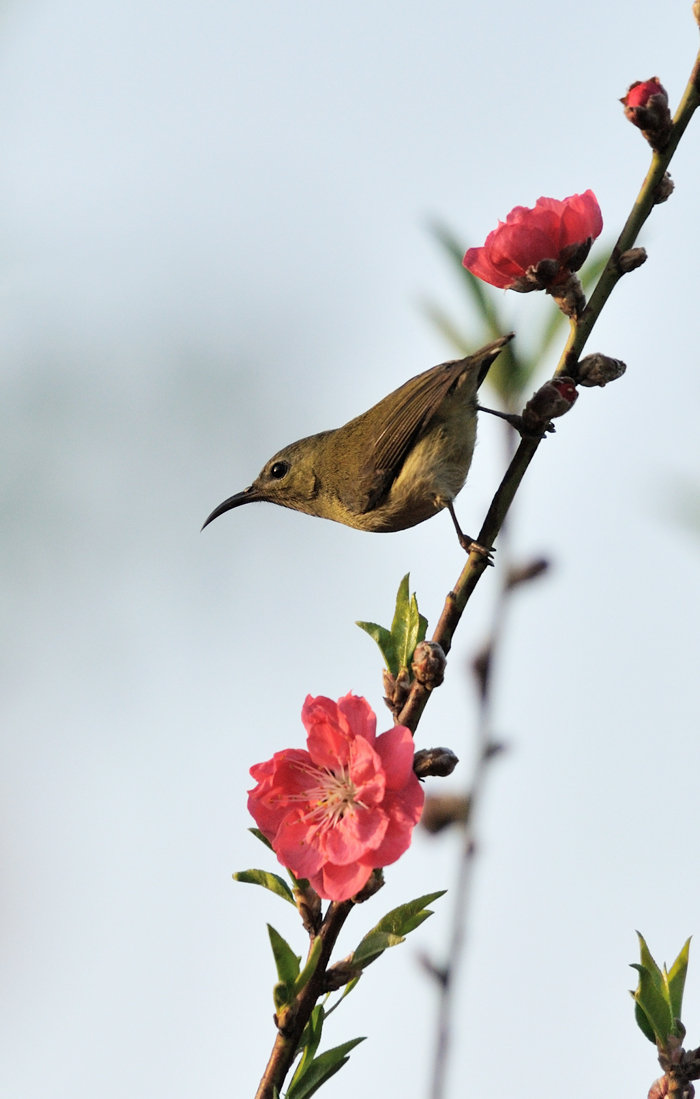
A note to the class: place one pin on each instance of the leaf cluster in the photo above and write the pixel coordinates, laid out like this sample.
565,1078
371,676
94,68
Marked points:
658,997
408,629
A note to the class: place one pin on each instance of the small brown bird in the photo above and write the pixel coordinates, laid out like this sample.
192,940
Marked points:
392,467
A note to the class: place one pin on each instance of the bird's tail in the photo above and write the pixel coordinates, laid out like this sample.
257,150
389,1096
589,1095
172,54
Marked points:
489,353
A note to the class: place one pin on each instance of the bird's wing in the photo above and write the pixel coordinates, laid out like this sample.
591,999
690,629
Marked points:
409,410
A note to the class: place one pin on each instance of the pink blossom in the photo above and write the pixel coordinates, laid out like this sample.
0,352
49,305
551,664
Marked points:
535,249
343,806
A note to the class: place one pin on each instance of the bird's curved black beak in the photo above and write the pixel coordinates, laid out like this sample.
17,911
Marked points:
247,496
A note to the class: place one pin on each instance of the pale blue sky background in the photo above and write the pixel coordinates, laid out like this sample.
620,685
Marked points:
214,239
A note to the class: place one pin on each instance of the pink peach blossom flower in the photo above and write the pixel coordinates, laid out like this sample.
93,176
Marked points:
344,806
535,249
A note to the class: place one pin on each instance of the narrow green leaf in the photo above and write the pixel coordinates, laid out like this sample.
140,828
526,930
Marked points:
385,641
310,966
642,1022
286,961
321,1069
393,928
653,1003
398,920
259,836
649,964
400,622
676,980
309,1042
418,627
273,882
409,626
347,989
373,944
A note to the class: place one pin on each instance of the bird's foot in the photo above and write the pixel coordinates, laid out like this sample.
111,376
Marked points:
470,545
520,424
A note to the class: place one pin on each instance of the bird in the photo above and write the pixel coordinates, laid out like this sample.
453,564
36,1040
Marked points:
390,468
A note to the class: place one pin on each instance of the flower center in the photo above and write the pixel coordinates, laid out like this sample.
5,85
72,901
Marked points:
329,796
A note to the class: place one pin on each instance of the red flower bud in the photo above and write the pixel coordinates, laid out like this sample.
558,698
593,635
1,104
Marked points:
640,93
646,106
538,248
552,399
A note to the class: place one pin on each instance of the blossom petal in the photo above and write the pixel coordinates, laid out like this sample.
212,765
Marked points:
358,832
340,883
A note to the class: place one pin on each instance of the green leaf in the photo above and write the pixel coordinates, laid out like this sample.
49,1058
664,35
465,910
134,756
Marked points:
273,882
642,1022
385,642
393,928
259,836
321,1069
400,920
310,966
347,989
373,944
286,961
676,980
309,1043
649,964
654,1007
408,628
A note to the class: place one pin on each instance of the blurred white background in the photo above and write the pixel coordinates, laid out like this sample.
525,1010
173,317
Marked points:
214,229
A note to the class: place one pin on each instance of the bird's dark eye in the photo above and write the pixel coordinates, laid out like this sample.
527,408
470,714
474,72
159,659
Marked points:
279,470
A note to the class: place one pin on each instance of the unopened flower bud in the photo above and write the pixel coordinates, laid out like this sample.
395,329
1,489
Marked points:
631,259
428,664
659,1089
441,811
646,106
396,689
439,762
569,296
664,189
553,399
599,370
340,974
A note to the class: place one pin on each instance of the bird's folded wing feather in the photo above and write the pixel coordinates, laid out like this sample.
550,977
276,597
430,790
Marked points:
409,411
